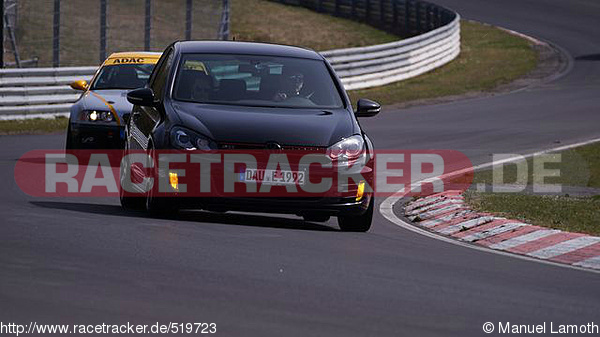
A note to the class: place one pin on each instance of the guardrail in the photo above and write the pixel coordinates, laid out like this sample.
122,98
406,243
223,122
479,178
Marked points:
372,66
432,39
39,92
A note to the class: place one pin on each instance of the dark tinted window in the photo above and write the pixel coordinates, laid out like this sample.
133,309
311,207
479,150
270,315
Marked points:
123,76
161,75
255,81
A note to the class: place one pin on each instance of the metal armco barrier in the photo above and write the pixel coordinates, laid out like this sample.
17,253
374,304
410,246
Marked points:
39,91
432,40
372,66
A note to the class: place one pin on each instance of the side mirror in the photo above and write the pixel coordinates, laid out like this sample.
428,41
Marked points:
367,108
141,96
79,85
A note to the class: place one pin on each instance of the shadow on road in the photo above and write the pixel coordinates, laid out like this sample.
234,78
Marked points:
588,57
238,219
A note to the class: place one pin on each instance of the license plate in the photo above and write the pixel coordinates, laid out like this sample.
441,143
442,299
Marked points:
273,177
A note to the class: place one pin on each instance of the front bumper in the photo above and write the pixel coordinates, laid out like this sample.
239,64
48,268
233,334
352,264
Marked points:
86,136
284,205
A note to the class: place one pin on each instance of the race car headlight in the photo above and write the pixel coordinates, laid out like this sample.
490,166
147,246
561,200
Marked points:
350,148
96,116
189,140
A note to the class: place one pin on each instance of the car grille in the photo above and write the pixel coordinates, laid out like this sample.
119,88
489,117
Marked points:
267,146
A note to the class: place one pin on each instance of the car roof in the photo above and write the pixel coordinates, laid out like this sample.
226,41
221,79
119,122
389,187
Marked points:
248,48
135,54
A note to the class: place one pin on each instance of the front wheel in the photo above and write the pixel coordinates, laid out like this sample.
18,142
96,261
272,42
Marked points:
360,223
128,202
69,143
159,206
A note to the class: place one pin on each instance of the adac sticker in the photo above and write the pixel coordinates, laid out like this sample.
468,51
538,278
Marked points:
128,60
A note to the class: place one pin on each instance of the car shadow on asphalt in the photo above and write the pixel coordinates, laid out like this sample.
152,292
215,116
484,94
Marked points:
238,219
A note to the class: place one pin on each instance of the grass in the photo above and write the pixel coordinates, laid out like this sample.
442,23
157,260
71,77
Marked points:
489,57
265,21
559,212
578,167
32,126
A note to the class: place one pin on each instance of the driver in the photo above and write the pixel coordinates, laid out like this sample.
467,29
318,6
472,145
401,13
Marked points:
291,84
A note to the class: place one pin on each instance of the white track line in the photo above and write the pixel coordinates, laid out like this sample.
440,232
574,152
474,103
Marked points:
386,208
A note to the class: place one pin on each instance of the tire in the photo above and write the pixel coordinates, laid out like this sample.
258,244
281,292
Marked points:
316,217
159,206
133,203
130,203
360,223
69,143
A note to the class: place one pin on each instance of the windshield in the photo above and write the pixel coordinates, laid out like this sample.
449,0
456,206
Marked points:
122,76
252,80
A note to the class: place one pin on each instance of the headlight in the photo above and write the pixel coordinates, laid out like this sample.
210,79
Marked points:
96,116
350,148
189,140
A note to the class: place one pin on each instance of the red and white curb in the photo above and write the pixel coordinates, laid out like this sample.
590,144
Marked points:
447,214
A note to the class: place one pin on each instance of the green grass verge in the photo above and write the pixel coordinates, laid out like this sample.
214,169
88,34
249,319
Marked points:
36,125
578,167
266,21
559,212
489,57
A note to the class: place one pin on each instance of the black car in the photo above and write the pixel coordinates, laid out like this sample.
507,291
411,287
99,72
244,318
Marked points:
211,95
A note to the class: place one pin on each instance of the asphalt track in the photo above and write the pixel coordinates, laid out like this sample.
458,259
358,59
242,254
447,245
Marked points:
86,261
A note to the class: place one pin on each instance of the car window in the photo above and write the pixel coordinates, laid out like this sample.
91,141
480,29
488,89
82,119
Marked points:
122,76
162,73
255,80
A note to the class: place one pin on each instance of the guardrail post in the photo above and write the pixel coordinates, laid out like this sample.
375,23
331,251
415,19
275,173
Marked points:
418,16
2,35
224,26
395,14
103,4
188,19
407,17
428,17
147,25
56,35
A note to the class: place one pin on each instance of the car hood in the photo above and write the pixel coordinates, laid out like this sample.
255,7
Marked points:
259,125
107,100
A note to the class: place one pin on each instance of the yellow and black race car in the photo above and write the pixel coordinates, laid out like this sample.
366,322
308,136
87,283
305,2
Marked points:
97,117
